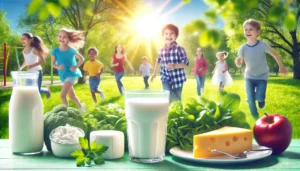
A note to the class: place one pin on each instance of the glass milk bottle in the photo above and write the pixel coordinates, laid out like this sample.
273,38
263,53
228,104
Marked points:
26,110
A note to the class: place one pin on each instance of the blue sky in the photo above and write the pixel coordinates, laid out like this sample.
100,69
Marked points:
13,9
194,10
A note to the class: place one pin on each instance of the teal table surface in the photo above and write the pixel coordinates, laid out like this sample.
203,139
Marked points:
289,160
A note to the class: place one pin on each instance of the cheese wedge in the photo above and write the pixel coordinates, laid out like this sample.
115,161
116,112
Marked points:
228,139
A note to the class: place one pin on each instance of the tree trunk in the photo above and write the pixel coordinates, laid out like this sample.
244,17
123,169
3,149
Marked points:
296,66
80,79
296,55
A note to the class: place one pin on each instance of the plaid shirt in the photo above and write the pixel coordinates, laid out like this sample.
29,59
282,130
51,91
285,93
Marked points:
174,55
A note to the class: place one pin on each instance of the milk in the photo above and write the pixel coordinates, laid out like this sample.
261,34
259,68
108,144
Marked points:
26,120
146,126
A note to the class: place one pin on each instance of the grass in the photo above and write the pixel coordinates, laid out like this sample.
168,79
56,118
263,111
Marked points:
46,77
282,97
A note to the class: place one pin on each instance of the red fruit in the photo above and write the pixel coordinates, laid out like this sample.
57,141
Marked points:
273,131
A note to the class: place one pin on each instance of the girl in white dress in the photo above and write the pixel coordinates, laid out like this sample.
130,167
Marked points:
221,75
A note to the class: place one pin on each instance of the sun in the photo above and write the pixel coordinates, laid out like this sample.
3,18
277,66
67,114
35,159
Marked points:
143,27
147,25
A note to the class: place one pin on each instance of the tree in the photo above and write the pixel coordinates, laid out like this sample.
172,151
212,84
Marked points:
7,36
280,19
286,41
83,14
190,41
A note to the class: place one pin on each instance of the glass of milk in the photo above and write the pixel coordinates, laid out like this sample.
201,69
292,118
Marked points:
147,114
26,114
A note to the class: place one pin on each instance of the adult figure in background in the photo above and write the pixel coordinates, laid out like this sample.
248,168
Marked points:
200,69
117,62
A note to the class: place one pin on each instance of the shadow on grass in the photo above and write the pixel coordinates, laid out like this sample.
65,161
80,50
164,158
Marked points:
111,100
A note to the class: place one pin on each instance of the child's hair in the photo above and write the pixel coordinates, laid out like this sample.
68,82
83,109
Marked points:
201,51
75,37
224,53
145,58
122,52
253,23
171,27
94,49
38,44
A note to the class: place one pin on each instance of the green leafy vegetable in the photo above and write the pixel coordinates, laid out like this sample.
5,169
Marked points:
196,118
89,154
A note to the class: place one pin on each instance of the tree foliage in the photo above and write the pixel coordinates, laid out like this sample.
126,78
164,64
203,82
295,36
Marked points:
280,21
11,40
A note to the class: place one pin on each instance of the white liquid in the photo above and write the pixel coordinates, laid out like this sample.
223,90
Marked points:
26,120
146,126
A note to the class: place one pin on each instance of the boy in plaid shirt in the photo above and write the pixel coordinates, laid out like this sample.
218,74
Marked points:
173,60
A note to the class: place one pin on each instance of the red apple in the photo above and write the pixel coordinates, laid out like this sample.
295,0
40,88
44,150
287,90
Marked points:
273,131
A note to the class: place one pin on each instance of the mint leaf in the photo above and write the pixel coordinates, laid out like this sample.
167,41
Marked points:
101,149
88,161
94,146
77,153
84,143
99,160
88,154
80,161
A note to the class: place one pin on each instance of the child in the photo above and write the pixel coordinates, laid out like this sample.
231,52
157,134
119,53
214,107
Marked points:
221,75
173,60
35,54
64,60
117,62
200,69
94,68
257,71
145,70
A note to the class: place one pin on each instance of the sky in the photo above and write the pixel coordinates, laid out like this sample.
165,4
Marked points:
183,15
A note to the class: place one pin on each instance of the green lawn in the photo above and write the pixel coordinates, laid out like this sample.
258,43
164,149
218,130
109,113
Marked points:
282,97
46,77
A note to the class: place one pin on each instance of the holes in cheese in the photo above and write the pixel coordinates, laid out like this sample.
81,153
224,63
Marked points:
235,138
228,139
212,139
227,143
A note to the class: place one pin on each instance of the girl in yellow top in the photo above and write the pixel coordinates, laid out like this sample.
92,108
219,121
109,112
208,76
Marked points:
94,68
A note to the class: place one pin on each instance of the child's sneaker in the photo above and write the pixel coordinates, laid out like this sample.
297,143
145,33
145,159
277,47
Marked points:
102,95
48,94
261,105
123,90
82,108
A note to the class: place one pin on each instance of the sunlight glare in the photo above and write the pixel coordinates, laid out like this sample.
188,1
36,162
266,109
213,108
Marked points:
147,25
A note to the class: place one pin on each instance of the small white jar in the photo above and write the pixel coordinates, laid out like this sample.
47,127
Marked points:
113,139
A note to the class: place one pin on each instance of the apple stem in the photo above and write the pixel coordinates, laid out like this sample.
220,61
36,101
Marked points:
267,117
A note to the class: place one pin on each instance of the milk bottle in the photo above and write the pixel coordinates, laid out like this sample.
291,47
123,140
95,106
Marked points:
26,120
146,114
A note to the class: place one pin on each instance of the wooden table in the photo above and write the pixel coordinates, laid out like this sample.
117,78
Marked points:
288,160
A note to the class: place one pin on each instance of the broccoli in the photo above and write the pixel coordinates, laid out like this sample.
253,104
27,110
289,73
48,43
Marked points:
60,115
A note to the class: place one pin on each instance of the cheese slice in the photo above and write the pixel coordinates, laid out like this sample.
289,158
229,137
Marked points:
228,139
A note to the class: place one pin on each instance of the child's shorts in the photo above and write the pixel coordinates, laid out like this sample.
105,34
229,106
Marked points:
94,83
71,79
